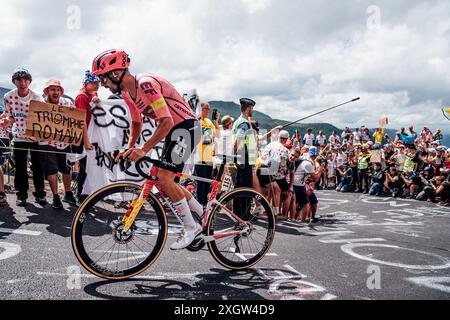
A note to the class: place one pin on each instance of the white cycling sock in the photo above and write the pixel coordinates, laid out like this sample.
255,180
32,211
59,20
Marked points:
183,212
195,206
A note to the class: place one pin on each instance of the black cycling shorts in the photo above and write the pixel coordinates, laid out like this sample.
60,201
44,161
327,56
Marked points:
179,145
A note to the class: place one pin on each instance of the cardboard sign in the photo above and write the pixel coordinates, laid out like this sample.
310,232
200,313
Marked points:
50,122
383,121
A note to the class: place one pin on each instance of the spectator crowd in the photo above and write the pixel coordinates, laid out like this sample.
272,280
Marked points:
285,167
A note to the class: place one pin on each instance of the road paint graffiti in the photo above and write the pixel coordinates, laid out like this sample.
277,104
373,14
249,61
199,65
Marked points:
10,250
326,203
349,249
384,201
290,284
436,283
415,213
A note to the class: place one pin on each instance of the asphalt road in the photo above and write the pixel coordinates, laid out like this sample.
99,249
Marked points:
363,248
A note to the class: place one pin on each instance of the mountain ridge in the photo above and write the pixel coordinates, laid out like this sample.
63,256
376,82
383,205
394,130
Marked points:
265,121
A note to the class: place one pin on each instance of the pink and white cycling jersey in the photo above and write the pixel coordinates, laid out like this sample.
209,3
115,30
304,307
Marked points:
156,98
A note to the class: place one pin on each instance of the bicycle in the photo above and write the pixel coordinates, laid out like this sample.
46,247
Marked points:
134,234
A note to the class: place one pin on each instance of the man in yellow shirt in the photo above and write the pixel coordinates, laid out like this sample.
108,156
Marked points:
378,135
204,165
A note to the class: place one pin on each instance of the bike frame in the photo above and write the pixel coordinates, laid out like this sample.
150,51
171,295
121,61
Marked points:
216,185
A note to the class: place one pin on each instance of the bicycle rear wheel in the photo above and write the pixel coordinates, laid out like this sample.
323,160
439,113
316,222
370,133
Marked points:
244,250
99,241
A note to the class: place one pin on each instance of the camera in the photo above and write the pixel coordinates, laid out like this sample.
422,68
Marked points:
214,114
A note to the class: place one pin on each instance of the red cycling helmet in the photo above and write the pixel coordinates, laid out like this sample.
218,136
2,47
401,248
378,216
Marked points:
110,60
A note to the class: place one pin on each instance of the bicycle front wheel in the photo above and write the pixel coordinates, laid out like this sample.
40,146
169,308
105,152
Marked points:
102,245
244,250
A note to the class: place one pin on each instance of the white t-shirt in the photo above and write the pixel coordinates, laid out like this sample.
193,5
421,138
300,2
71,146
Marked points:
341,158
57,144
303,170
224,145
357,136
334,139
309,139
17,107
331,168
321,140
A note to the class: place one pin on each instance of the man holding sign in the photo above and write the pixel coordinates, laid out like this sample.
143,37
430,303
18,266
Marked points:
52,158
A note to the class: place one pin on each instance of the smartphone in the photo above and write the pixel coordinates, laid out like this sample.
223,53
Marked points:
214,114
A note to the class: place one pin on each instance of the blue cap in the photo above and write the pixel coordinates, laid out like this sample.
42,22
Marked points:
89,77
314,151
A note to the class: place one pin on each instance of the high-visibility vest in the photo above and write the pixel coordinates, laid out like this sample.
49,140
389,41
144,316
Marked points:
247,146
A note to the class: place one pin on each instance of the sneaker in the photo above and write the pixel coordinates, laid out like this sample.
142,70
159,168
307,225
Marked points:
70,199
57,204
41,201
315,220
186,238
21,202
3,202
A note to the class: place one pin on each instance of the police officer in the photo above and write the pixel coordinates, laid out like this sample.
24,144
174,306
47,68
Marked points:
245,146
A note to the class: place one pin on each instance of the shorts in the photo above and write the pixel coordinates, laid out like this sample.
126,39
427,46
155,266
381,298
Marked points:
179,145
3,144
313,199
300,196
52,163
264,179
283,184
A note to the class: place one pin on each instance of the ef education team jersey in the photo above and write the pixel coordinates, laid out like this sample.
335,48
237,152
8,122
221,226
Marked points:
156,98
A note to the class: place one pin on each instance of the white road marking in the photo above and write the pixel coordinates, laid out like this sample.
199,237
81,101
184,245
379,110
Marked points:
348,248
20,231
328,296
436,283
11,250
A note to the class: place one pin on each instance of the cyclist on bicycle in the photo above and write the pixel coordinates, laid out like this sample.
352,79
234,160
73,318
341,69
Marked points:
155,98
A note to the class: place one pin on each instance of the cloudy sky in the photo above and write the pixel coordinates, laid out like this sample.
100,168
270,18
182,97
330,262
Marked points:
293,57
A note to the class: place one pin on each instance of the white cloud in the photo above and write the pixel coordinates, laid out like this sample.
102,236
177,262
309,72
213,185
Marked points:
292,57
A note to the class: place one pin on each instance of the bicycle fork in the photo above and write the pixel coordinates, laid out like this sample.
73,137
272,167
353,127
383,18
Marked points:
136,204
